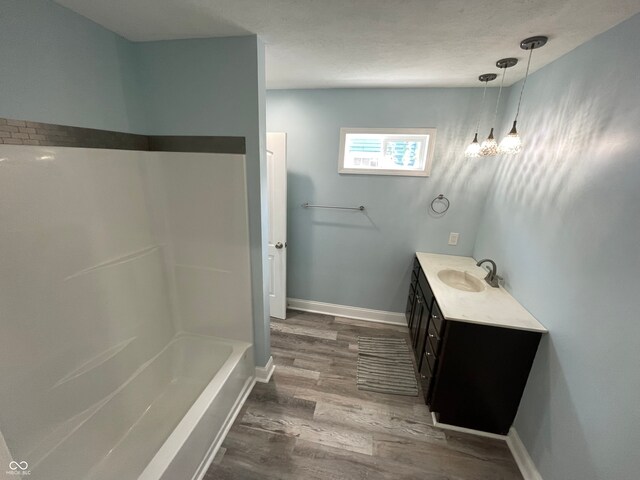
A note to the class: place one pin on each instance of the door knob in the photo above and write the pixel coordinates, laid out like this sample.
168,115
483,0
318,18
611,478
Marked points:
279,245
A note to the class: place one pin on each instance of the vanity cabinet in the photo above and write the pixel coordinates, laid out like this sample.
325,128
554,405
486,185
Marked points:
472,375
424,321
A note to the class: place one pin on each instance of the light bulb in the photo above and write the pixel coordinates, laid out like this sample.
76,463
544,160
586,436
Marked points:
489,147
511,144
473,150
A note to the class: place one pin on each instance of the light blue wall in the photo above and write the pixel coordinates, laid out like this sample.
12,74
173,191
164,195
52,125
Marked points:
58,67
563,224
364,260
215,86
262,322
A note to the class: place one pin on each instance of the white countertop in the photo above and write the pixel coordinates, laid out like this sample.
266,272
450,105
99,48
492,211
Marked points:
492,306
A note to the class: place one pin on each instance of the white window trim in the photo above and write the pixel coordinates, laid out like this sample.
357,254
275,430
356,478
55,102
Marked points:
425,172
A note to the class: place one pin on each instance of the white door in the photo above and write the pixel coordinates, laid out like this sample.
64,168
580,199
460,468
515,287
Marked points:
277,192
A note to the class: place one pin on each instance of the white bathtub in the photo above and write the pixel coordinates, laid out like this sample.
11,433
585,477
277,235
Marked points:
165,422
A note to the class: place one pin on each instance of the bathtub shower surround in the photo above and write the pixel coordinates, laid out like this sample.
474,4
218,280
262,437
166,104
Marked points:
125,309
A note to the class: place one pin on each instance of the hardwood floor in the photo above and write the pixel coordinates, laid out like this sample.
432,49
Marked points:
311,422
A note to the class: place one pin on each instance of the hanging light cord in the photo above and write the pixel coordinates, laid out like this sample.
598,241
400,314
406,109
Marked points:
524,83
495,115
486,82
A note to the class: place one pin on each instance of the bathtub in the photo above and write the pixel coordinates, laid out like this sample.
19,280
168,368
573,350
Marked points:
166,422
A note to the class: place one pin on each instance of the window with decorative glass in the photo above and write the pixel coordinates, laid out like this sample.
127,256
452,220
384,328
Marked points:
386,151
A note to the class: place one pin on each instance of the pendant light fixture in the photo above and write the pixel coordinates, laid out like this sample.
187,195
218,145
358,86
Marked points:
473,150
489,147
511,144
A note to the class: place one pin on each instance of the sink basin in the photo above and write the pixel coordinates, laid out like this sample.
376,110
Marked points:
461,280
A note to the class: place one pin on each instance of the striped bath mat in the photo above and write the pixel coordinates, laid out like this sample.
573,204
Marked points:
385,366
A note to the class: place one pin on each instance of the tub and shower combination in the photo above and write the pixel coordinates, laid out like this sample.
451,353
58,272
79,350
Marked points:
125,327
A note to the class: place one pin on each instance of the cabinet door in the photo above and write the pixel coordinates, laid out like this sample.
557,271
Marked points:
427,294
427,300
417,317
408,313
422,333
416,266
410,308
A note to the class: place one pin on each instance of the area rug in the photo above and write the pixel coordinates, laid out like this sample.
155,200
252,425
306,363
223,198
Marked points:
385,366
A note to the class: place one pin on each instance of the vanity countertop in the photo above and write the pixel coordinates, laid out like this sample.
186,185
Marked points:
492,306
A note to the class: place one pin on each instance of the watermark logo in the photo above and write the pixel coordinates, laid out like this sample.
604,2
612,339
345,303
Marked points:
18,468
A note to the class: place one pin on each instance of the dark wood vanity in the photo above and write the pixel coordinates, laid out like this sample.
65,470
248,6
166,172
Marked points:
472,375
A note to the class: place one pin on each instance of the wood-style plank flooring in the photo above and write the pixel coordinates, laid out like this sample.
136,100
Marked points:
311,422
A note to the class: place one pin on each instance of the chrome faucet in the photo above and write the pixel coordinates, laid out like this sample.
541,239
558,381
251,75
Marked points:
492,277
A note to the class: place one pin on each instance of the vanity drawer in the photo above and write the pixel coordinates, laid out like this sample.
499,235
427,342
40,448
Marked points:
436,317
427,376
430,356
434,336
426,372
426,379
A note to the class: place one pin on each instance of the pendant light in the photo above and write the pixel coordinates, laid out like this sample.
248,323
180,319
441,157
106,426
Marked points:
489,147
473,150
511,144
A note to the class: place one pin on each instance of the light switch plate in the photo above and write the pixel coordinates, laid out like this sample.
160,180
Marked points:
453,238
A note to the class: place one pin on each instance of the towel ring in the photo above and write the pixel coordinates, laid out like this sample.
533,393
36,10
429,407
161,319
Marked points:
445,205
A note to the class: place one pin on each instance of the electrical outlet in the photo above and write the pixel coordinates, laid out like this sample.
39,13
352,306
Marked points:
453,238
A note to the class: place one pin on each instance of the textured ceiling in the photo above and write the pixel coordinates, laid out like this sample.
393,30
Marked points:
371,43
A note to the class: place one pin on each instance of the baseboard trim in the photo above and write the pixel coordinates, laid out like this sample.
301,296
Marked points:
455,428
213,450
378,316
516,447
521,456
263,374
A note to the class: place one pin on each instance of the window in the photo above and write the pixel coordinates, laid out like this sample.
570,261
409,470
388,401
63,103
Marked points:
386,151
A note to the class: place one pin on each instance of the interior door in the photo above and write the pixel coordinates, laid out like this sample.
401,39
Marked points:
277,194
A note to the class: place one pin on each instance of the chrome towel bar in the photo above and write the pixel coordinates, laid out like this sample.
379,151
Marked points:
307,205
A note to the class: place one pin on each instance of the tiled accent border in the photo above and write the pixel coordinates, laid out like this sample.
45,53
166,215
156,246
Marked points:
170,143
23,132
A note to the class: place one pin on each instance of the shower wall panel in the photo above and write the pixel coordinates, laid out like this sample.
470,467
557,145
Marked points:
83,289
206,223
104,256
